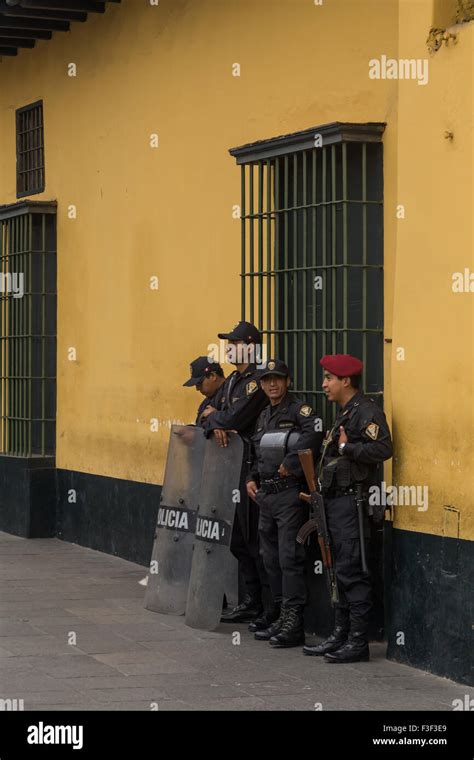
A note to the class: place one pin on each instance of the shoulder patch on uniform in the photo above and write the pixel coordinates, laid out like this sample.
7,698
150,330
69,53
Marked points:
305,410
372,431
251,387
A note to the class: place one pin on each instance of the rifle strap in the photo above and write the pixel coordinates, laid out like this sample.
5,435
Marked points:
323,453
339,421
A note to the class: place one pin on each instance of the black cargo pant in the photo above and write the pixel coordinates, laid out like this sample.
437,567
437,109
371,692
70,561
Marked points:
281,517
355,593
244,542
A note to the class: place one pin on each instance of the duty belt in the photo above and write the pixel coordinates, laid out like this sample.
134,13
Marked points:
336,493
274,485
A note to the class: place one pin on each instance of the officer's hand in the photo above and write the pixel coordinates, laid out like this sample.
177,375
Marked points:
207,411
283,472
187,434
221,437
252,489
342,436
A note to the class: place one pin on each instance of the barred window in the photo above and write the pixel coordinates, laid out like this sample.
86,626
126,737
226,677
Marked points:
28,329
30,150
312,250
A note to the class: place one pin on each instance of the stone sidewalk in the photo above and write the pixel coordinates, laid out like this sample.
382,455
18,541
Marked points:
127,658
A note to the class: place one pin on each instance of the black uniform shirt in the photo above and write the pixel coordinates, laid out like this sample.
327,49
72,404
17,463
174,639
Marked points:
290,413
214,401
242,401
369,439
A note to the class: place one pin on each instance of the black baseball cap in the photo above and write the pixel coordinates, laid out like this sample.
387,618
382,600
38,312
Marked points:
245,331
201,368
275,367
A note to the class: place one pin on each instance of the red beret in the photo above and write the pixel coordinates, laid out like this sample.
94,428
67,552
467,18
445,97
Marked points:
342,365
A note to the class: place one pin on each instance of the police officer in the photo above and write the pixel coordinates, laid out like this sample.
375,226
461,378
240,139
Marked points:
242,401
357,443
274,482
208,378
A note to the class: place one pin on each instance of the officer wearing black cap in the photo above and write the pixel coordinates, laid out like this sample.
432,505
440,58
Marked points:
208,378
242,401
274,483
357,443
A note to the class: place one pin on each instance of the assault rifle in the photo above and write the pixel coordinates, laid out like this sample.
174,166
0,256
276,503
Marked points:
317,522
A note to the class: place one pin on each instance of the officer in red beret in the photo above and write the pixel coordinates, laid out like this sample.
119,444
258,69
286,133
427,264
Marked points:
352,450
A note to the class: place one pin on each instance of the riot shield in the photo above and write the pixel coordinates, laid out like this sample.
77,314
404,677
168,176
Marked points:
211,556
172,554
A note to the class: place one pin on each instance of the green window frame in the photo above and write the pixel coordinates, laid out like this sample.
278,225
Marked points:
30,168
28,329
312,207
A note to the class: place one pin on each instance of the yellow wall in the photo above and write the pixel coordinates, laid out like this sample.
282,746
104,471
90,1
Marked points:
168,212
432,393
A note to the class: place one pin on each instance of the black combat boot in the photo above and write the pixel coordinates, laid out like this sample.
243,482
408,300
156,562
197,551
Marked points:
356,649
272,629
292,630
245,612
268,616
336,640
